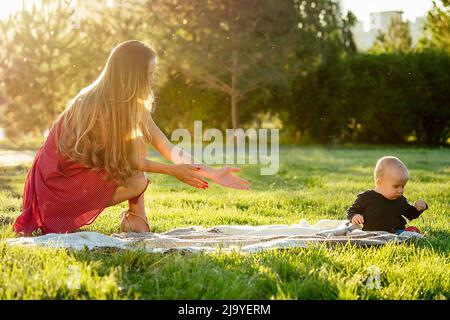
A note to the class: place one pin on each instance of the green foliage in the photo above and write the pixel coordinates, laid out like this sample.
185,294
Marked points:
28,143
226,63
437,28
38,65
384,98
312,184
181,101
233,47
52,51
397,39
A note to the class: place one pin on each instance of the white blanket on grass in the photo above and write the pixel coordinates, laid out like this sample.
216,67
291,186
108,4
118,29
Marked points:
243,238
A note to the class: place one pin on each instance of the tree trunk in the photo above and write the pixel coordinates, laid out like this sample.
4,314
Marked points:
234,91
298,136
234,118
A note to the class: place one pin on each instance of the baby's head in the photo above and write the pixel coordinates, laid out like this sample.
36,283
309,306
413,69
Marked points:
391,176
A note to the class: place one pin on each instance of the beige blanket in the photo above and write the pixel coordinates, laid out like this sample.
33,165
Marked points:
224,238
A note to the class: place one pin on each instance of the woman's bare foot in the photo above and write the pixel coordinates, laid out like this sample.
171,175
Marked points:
133,222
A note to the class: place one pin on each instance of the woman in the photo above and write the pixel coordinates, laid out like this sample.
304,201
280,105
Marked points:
95,153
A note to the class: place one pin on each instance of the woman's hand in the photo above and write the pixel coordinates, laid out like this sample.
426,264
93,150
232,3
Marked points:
225,177
187,173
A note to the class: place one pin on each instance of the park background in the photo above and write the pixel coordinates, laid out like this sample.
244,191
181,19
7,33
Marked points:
292,65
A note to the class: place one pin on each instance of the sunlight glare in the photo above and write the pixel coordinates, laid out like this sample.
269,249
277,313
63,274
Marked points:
12,6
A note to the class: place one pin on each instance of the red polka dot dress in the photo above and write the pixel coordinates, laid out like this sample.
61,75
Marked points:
61,195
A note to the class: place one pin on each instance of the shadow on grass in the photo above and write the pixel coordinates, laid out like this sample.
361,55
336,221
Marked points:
277,274
438,241
11,176
5,221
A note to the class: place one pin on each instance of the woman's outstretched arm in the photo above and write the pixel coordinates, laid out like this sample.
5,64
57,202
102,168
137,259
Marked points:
223,176
184,172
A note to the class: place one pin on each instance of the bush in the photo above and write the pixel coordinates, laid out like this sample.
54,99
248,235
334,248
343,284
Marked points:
383,98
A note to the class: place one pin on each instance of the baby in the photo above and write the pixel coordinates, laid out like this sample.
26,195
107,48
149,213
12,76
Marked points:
383,208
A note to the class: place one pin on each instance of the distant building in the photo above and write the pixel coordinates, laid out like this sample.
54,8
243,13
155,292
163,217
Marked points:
416,29
380,21
363,39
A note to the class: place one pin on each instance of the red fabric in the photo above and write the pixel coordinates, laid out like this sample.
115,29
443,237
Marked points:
412,229
61,195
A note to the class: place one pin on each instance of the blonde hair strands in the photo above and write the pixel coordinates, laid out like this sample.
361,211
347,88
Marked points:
105,122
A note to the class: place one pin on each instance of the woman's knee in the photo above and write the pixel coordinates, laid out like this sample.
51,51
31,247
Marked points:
134,186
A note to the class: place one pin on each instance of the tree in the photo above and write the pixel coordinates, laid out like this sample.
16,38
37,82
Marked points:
437,28
430,105
231,46
37,65
396,39
181,101
323,39
379,98
53,50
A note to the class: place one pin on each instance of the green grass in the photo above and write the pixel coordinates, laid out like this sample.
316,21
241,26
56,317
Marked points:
312,183
20,144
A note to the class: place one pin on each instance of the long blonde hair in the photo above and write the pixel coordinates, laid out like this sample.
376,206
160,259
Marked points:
104,123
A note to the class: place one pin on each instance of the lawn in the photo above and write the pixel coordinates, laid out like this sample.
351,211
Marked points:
312,184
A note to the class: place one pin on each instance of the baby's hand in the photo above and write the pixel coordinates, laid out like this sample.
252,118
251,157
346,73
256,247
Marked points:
420,205
358,219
